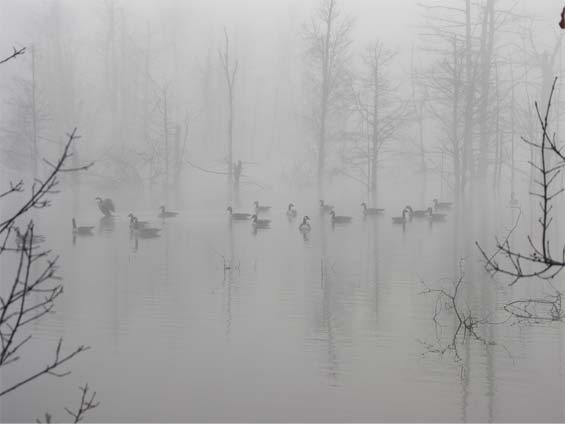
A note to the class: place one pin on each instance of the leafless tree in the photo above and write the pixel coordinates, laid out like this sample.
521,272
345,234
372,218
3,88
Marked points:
465,36
419,100
230,72
328,38
445,85
379,111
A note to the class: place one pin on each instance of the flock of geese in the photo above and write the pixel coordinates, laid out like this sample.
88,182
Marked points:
143,229
408,213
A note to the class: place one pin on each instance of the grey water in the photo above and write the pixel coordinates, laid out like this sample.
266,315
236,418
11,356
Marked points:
213,322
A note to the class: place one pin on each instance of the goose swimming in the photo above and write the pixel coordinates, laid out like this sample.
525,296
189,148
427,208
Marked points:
166,214
435,217
291,212
442,205
238,216
371,211
400,219
260,208
135,223
260,223
340,219
418,213
82,230
145,232
305,226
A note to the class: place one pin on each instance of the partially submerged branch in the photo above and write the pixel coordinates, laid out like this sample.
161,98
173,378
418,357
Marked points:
467,324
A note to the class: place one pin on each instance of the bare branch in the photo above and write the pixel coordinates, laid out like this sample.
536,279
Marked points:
15,53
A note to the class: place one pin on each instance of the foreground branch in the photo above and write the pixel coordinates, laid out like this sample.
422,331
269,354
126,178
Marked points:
14,54
540,261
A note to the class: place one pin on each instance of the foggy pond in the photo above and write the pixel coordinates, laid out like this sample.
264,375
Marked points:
331,310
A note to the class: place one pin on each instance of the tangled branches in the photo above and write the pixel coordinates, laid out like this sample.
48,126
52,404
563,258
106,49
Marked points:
539,262
87,403
35,285
41,189
467,323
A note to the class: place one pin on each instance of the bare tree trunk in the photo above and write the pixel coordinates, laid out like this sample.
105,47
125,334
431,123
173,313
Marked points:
497,166
230,74
487,41
34,112
455,133
166,139
375,133
324,100
468,160
369,167
112,71
230,139
123,84
207,94
146,114
419,109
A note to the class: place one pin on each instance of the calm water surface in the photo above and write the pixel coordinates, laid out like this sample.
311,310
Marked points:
324,329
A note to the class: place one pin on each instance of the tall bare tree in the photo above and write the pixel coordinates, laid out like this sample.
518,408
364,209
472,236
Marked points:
230,72
328,36
378,108
485,86
445,83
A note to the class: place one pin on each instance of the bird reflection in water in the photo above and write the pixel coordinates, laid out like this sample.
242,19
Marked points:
107,224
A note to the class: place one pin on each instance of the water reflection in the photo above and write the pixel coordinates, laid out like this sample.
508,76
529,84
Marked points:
332,316
107,224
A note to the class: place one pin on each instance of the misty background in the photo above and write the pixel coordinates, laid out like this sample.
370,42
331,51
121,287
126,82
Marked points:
216,319
108,67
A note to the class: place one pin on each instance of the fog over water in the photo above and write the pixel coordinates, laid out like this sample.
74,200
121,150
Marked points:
194,313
